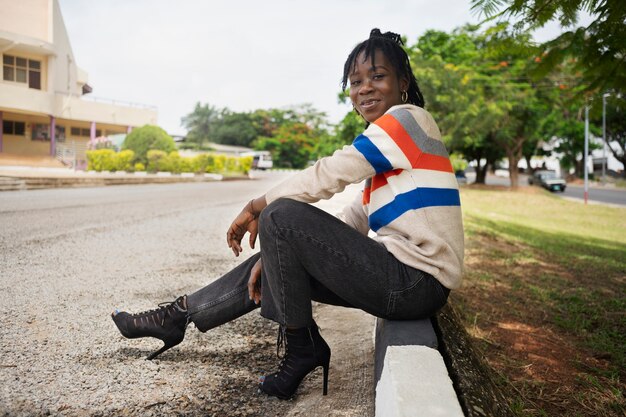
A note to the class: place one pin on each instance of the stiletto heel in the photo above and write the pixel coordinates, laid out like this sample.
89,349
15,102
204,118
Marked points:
305,350
167,323
325,387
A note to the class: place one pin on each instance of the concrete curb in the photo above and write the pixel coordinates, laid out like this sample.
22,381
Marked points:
410,373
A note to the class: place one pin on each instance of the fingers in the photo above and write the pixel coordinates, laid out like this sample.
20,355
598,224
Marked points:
254,285
253,236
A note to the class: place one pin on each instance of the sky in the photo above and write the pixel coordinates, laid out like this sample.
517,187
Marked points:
239,54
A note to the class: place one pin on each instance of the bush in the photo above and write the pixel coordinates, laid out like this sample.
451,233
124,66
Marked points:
146,138
245,164
157,161
140,167
123,160
101,160
203,163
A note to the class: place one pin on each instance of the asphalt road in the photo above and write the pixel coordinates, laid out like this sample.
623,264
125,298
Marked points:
70,256
597,194
615,196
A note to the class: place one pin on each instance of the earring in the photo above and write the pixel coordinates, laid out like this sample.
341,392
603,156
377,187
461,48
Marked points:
405,96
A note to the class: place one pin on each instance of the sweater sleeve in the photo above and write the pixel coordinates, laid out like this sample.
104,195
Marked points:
354,215
329,175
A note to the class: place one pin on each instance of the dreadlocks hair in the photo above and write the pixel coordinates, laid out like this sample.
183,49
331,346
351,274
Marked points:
390,44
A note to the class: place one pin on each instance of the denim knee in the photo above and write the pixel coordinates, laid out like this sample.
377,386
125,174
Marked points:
272,215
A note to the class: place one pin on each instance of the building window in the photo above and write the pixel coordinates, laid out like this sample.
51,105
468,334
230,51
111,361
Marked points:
22,70
40,132
59,133
13,128
77,131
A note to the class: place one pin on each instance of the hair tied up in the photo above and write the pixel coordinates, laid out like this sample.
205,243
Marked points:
394,37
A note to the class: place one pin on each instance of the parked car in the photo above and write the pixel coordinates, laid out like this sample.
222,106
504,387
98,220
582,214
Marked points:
548,180
460,177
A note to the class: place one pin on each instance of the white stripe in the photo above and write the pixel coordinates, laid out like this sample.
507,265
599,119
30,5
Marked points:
407,181
434,179
387,147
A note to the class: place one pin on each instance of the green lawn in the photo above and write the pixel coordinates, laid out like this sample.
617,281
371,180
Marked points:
560,267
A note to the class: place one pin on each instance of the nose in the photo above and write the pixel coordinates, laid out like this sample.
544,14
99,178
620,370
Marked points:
366,87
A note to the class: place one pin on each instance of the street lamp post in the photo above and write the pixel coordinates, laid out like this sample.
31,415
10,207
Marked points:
604,96
586,152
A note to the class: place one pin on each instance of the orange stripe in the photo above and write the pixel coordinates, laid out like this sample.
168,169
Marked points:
396,132
366,195
434,162
393,172
378,181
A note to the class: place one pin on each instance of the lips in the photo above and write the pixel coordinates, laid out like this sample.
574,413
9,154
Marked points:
369,103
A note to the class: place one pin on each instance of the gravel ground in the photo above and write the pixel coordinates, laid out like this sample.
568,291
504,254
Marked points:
70,256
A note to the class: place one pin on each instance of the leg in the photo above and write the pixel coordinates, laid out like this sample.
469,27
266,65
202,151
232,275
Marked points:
224,299
305,248
308,254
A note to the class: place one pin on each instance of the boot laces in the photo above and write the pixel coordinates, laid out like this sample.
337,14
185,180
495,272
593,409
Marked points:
166,308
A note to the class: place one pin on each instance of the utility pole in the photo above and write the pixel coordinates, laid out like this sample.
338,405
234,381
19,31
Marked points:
586,152
604,96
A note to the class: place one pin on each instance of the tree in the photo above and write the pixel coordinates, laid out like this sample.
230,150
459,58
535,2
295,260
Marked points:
200,123
292,145
145,138
599,49
477,87
616,128
238,129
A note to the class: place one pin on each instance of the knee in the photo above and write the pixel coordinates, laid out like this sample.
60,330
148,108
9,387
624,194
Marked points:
275,214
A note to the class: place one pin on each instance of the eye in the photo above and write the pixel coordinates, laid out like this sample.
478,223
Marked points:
355,82
379,76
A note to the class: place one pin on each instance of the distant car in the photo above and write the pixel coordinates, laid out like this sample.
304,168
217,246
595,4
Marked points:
548,180
460,177
261,160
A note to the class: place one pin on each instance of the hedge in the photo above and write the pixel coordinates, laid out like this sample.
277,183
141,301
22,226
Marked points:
108,160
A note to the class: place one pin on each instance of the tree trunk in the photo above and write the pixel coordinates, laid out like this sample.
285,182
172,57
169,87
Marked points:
481,173
514,158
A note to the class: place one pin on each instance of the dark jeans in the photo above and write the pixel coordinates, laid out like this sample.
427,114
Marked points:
310,255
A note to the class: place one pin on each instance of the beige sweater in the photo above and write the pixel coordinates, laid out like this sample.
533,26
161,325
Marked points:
410,199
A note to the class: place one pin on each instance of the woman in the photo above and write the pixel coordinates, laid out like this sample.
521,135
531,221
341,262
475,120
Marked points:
410,200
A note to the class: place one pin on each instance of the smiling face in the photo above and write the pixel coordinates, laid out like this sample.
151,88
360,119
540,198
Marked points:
374,89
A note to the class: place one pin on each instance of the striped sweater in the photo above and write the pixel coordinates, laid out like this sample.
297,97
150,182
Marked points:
410,199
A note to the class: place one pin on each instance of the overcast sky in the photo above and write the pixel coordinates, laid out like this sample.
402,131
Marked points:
239,54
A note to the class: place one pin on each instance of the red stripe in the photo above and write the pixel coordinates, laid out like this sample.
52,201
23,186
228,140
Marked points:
393,172
366,195
378,181
434,162
396,132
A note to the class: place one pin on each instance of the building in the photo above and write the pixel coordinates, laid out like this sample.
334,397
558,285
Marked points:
43,107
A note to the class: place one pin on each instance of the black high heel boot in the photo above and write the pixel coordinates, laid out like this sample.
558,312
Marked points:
167,323
305,350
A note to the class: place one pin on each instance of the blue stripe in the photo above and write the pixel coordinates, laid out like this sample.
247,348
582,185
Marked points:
364,145
414,199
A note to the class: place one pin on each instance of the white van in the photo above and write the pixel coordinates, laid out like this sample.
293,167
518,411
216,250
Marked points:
261,159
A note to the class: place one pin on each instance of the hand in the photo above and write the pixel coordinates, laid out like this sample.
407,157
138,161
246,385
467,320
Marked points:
254,284
245,221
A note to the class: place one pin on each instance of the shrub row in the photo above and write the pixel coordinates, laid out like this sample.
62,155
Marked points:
108,160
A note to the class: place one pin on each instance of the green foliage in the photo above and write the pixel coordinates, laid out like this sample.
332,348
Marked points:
292,146
598,50
203,163
458,162
200,124
123,160
139,167
109,160
145,138
100,160
157,161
